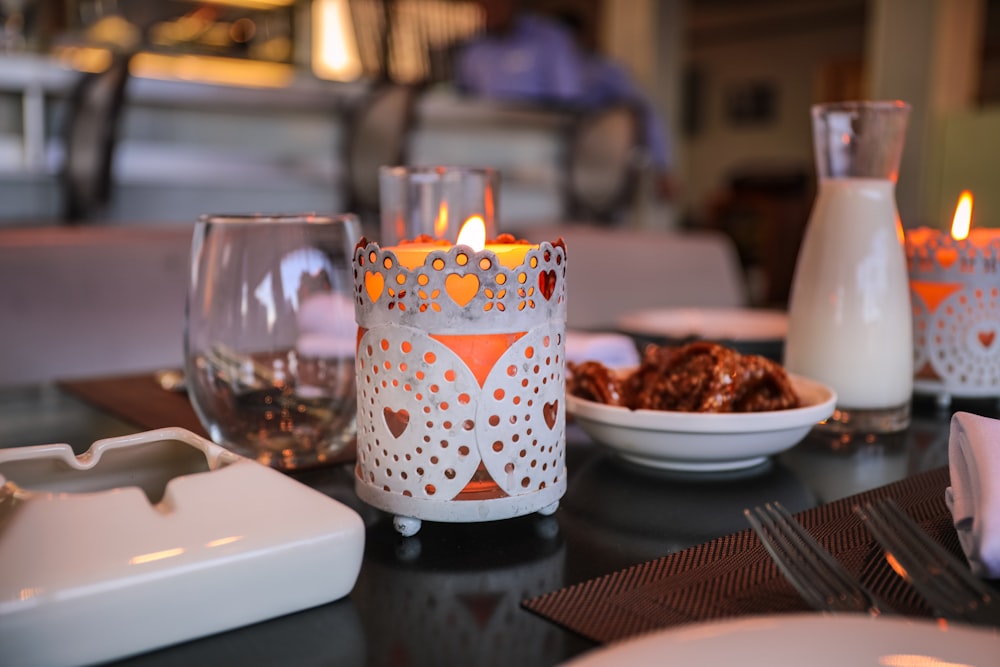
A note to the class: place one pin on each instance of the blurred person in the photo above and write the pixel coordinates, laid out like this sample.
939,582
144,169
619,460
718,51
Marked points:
521,56
525,57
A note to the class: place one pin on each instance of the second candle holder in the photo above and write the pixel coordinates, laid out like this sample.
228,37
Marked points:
460,375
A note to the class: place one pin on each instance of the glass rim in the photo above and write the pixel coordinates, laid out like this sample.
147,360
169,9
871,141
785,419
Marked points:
401,170
280,218
856,105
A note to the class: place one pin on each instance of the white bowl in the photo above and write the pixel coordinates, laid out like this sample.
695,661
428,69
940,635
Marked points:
698,441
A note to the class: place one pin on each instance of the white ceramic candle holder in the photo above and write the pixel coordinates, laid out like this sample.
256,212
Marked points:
955,286
461,388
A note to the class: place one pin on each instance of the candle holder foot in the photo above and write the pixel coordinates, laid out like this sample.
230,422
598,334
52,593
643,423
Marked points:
549,510
407,526
943,400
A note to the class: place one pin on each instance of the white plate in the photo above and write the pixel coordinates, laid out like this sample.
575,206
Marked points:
806,639
703,442
718,324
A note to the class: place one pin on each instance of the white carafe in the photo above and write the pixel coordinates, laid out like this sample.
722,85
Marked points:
850,320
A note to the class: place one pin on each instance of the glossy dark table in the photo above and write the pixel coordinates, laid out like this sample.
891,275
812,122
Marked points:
451,595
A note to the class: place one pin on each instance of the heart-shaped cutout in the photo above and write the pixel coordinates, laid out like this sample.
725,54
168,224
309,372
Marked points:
551,412
547,284
461,288
986,337
396,421
374,284
946,257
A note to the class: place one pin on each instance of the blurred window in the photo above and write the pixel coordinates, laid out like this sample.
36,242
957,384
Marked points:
406,41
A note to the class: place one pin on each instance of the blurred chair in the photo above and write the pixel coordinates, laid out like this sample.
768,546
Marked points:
92,300
602,173
614,271
765,211
378,133
90,135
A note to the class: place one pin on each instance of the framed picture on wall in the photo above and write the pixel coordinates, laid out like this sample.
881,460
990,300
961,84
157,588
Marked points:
751,103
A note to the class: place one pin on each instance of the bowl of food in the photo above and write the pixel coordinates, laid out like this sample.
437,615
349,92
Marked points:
697,407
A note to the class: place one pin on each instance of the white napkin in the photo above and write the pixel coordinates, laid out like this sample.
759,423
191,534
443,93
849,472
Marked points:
974,494
611,349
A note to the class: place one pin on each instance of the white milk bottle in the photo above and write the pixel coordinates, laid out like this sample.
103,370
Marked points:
849,312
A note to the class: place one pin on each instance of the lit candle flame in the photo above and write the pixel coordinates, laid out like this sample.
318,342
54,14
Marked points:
441,224
473,233
963,217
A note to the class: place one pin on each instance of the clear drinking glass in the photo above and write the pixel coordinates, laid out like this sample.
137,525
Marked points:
850,320
435,201
270,335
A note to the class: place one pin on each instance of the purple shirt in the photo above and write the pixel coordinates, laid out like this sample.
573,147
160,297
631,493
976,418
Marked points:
538,61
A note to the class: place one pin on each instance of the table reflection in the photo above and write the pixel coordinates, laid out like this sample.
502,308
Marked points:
835,466
452,594
332,634
618,506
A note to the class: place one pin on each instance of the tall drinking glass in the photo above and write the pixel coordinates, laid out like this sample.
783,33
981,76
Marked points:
270,335
849,314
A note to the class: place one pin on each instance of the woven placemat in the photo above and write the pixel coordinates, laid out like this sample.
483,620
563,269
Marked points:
734,576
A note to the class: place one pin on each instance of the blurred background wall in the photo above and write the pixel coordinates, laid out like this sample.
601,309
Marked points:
243,105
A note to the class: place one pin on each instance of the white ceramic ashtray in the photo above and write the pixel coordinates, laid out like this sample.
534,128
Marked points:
154,539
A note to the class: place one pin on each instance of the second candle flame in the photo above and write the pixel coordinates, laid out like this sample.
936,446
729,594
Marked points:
962,221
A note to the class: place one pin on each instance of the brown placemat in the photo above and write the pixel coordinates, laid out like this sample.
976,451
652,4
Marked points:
139,400
734,576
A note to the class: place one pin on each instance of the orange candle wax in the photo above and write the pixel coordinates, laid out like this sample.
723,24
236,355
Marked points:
462,288
413,255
